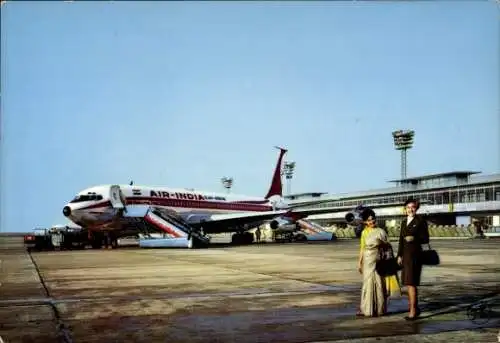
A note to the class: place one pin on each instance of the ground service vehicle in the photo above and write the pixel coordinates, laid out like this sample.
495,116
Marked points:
38,240
62,238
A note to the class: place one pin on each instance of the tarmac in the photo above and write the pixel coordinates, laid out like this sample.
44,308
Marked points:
296,292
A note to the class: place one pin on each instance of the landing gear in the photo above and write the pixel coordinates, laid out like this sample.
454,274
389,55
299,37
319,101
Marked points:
110,240
300,238
195,243
197,239
95,239
98,240
242,238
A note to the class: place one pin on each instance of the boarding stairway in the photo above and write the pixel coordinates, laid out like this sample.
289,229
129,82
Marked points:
160,229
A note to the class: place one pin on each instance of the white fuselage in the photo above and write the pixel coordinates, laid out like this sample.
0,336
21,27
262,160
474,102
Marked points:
182,200
93,206
99,206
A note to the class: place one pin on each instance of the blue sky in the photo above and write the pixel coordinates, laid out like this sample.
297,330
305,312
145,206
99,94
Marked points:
180,94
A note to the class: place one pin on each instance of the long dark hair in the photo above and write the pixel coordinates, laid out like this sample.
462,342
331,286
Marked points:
367,213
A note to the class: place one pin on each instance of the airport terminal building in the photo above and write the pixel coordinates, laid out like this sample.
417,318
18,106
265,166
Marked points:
453,198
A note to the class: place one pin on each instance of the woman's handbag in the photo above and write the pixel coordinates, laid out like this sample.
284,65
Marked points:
387,264
430,257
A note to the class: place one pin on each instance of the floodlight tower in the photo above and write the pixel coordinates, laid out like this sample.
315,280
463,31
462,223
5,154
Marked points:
288,170
403,140
227,182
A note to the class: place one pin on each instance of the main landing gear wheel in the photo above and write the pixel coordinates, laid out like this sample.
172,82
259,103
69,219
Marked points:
96,239
301,238
242,238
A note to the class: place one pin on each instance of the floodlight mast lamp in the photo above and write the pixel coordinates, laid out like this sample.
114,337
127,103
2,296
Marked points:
227,182
288,170
403,140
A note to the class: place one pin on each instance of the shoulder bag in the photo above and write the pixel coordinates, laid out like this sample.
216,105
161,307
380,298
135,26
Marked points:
387,264
430,257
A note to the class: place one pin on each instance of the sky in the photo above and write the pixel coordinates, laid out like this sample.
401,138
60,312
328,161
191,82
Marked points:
180,94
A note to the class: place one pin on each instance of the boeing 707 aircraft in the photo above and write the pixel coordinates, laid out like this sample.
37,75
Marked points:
186,216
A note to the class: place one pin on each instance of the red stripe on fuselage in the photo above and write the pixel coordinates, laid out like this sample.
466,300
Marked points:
251,201
195,204
97,205
201,204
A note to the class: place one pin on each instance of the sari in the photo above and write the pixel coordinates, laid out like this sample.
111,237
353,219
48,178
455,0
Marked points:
376,289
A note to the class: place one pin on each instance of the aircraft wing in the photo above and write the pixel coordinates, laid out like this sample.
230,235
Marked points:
231,222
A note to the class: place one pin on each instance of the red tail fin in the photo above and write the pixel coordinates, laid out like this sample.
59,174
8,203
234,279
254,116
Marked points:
276,186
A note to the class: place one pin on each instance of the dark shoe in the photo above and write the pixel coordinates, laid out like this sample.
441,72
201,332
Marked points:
417,312
359,314
408,318
415,317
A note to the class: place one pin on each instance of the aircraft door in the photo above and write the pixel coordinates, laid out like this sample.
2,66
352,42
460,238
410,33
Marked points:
116,197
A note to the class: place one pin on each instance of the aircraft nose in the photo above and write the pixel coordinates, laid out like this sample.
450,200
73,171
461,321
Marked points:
67,211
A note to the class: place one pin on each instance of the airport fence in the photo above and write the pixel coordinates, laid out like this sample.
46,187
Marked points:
443,231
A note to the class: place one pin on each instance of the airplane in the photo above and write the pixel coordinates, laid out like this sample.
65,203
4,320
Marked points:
186,215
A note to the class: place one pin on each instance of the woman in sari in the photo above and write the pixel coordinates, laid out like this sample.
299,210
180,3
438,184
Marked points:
376,289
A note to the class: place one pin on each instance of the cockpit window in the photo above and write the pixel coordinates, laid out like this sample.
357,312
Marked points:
87,197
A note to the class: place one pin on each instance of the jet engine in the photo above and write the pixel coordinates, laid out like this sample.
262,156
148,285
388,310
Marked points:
274,224
197,218
282,225
354,218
